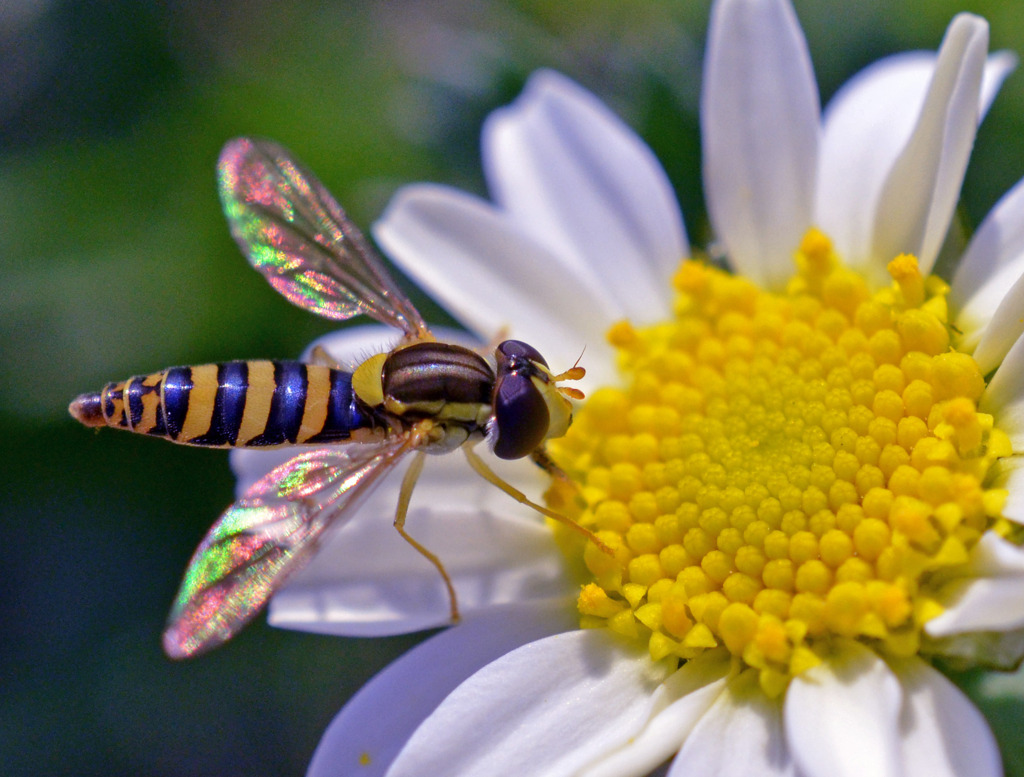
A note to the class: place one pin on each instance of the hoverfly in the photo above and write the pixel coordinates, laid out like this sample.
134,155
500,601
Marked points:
422,397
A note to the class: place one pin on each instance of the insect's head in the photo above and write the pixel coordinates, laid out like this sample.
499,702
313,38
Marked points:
529,405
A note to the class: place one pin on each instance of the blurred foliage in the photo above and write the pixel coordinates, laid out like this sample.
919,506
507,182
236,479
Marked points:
116,261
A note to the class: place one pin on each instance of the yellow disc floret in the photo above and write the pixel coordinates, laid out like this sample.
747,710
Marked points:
782,469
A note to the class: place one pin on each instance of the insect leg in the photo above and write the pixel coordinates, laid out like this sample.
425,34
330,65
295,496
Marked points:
491,477
542,459
563,489
404,495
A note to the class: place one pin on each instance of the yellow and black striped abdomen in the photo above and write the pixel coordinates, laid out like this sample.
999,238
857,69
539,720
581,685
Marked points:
244,403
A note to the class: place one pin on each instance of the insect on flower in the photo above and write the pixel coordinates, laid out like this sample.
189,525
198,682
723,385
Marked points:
421,397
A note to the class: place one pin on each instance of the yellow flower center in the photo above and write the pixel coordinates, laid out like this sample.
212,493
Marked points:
781,469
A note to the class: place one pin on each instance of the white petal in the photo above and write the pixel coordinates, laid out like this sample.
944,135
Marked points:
842,715
866,125
374,725
1004,395
1010,475
574,176
1001,687
678,705
998,241
991,265
493,277
573,695
1006,322
942,733
990,597
759,128
367,581
999,65
962,116
740,735
921,190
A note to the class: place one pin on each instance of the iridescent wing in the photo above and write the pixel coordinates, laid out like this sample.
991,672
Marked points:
271,532
291,229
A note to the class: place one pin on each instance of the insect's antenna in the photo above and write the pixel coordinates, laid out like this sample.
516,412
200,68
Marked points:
573,373
580,357
570,391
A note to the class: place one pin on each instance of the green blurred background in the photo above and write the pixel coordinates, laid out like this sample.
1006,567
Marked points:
115,260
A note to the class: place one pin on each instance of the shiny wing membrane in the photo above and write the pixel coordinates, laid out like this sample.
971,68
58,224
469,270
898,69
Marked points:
291,229
271,532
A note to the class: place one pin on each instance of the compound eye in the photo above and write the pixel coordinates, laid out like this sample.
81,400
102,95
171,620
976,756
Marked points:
521,417
513,354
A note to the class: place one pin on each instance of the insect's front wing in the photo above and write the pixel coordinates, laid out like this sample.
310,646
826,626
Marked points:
296,234
270,532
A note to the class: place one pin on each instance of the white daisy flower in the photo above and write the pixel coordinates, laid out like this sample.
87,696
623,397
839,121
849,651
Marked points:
808,470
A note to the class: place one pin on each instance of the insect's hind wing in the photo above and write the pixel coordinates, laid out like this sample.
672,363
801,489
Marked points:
269,533
293,231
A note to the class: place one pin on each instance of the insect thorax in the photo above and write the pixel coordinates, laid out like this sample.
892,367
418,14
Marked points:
447,384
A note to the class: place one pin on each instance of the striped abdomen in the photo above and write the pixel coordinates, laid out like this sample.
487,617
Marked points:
245,403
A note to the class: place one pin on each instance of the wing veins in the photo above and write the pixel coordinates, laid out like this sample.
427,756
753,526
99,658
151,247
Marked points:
315,235
267,535
358,292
